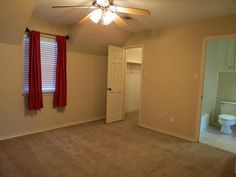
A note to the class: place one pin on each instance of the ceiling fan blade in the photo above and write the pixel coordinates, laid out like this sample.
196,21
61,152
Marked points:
134,11
111,1
78,7
119,21
86,18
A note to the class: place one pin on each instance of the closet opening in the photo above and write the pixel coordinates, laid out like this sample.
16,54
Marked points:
133,79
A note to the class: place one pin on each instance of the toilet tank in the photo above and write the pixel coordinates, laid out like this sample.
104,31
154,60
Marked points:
228,107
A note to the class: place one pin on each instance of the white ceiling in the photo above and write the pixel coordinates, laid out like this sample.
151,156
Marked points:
94,39
164,12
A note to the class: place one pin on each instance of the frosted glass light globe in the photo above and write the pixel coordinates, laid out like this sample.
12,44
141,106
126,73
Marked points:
96,15
108,17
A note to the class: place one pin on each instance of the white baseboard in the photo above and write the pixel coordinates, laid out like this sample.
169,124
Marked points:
133,111
168,133
49,128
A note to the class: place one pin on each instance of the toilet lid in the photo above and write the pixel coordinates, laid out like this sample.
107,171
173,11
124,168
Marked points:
227,117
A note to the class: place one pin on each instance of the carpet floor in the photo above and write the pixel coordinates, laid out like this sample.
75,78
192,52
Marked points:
121,149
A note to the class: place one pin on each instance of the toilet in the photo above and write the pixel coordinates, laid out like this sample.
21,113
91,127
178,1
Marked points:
227,117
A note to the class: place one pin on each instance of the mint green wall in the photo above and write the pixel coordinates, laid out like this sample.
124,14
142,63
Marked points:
211,79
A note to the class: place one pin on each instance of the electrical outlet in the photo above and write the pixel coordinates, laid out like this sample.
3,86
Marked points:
195,76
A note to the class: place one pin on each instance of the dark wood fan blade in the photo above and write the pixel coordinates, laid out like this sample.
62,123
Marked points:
111,2
129,10
119,21
78,7
86,18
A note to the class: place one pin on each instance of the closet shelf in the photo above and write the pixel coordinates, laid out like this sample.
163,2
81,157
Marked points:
134,62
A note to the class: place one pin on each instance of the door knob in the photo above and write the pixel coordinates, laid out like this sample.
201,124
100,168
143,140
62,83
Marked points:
109,89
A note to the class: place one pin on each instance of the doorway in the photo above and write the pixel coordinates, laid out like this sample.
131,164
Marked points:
124,83
218,110
133,76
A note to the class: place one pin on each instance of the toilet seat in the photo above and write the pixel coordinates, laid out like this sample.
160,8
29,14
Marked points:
227,117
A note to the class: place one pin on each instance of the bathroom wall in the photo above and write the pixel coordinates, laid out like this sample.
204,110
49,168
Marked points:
133,80
226,90
211,79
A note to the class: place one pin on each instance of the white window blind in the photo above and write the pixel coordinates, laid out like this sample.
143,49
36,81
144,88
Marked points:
48,52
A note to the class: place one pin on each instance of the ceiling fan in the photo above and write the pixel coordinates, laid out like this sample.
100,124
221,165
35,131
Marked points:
106,12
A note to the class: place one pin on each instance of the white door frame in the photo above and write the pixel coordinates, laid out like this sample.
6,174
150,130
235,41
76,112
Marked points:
141,81
202,75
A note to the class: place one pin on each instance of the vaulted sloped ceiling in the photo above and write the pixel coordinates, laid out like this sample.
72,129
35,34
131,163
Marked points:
92,38
163,12
87,37
14,17
95,38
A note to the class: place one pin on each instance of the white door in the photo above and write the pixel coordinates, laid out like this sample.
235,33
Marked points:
115,84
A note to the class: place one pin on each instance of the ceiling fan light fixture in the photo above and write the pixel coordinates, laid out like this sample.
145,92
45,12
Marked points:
103,3
106,12
96,15
108,17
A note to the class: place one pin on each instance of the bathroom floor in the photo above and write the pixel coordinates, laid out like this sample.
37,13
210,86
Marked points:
213,137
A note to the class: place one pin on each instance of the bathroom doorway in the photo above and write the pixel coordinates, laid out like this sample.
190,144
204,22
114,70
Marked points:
133,77
218,110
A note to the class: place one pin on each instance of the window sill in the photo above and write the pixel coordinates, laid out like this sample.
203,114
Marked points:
44,94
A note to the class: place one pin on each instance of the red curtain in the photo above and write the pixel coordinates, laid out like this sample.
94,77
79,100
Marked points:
60,96
35,97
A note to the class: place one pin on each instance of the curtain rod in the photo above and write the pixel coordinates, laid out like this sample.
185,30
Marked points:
27,30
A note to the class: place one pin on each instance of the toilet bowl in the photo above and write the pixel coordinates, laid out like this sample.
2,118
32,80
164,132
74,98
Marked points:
226,121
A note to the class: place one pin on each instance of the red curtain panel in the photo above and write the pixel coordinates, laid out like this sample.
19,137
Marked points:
35,97
60,96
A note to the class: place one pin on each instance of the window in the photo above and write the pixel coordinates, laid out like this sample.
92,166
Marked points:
48,52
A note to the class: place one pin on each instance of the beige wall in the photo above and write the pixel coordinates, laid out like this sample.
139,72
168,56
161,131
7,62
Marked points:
172,62
86,90
13,19
47,26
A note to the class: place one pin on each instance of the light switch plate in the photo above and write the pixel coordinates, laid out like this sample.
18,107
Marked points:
195,76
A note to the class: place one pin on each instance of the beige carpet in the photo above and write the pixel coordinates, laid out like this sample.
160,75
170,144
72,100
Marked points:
116,150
